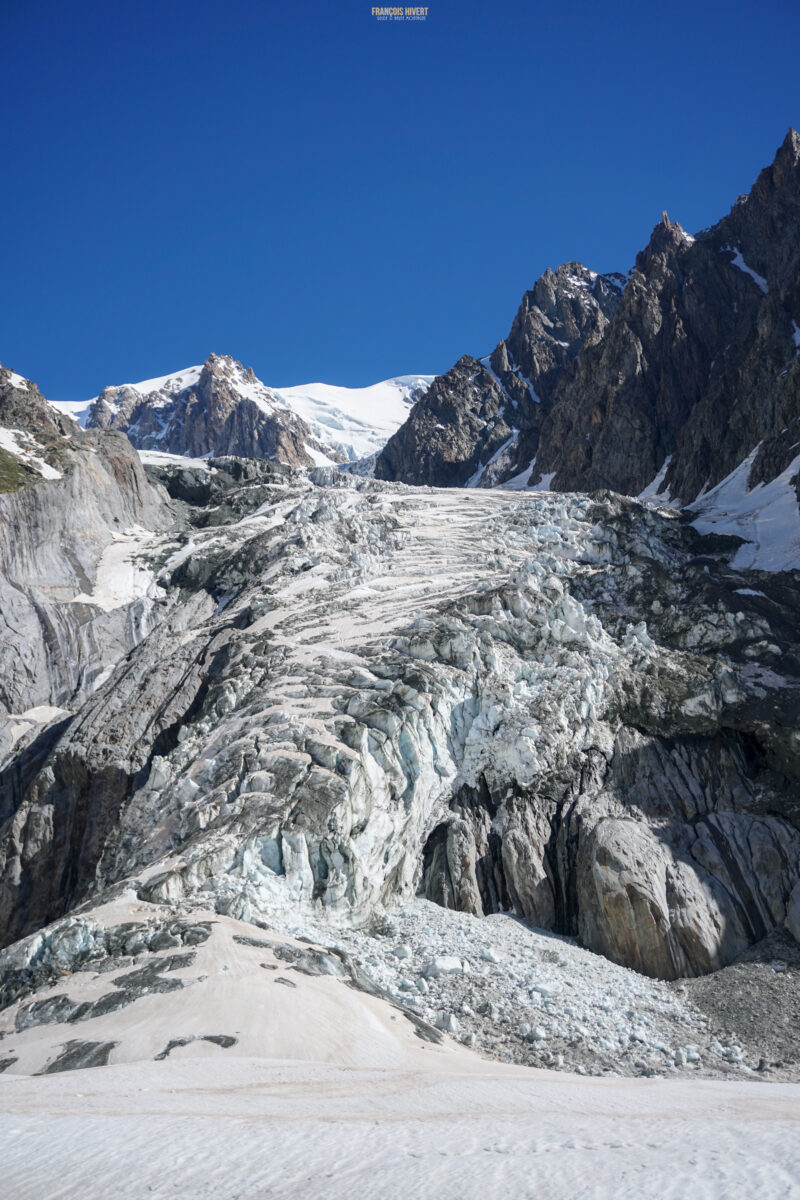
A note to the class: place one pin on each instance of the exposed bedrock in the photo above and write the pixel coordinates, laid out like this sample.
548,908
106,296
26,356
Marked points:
73,599
663,859
682,369
62,798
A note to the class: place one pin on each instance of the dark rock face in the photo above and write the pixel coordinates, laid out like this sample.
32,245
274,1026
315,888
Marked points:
480,422
698,360
79,1056
565,310
224,1040
226,411
460,422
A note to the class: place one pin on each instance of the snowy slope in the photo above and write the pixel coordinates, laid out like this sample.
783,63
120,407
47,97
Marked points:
766,516
356,421
232,1075
22,445
245,1129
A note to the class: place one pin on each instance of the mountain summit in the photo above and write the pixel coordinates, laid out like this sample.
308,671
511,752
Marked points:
221,407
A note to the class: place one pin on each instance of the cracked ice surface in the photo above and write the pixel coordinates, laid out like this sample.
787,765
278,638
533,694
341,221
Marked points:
379,649
411,641
354,670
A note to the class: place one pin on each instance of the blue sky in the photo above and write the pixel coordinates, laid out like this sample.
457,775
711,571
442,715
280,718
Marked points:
329,197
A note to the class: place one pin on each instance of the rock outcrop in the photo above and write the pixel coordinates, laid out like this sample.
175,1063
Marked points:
461,422
682,375
479,424
73,600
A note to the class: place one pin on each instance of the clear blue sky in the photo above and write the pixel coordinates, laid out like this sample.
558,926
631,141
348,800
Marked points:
328,197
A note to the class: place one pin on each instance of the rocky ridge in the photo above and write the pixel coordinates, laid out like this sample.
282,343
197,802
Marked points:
479,424
612,381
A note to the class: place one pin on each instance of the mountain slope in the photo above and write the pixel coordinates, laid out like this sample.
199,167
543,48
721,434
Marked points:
701,362
73,515
689,371
355,422
480,423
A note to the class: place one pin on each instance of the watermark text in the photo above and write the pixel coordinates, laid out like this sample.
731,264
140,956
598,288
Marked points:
400,14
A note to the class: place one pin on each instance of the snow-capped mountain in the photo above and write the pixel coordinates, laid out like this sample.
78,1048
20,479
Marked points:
307,763
355,422
220,407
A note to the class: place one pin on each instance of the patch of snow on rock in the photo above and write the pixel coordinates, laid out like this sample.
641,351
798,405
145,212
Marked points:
24,446
739,262
765,516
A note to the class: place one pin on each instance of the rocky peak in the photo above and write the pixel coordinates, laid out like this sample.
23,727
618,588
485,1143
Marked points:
23,406
564,310
788,157
764,225
459,423
218,408
224,368
32,434
668,237
679,372
555,317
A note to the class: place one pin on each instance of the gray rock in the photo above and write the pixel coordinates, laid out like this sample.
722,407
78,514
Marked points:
77,1056
224,1040
217,415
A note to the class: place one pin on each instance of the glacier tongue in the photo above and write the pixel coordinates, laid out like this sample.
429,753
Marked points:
503,701
352,698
